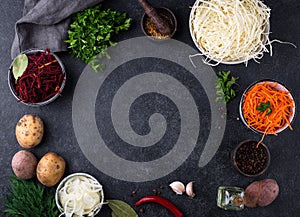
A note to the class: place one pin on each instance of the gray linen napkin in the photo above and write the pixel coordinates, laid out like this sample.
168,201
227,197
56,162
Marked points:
45,23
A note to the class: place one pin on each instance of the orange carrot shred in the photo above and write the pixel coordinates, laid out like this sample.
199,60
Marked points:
281,102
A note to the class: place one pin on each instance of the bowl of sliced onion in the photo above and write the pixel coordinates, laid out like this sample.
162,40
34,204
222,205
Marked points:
78,195
230,31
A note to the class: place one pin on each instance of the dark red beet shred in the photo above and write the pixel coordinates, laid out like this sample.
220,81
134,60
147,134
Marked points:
251,158
41,80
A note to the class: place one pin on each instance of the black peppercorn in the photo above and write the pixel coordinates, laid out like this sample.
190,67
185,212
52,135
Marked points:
251,158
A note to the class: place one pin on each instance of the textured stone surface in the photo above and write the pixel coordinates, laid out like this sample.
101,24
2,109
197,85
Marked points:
59,135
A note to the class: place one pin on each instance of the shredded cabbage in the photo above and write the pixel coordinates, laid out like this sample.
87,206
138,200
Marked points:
80,195
230,30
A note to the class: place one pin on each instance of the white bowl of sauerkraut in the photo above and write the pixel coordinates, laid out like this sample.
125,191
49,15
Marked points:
78,195
230,31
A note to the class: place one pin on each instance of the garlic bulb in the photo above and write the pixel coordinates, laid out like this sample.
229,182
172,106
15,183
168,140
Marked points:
177,187
189,189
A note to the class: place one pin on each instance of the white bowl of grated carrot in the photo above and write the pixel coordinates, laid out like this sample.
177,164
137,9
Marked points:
267,107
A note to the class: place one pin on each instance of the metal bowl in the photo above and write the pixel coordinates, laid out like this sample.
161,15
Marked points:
11,79
233,62
61,184
281,87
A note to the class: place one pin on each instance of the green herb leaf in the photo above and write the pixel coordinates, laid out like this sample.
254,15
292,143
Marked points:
91,31
262,107
19,66
30,199
225,87
121,209
114,215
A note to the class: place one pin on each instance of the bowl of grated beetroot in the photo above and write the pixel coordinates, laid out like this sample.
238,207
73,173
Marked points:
36,77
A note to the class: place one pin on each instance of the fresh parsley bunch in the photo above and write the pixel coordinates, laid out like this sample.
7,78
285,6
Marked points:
91,31
225,86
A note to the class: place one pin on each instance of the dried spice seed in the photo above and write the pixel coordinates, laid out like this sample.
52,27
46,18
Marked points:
151,29
251,158
132,194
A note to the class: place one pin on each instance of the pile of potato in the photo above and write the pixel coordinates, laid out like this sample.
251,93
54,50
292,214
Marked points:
51,167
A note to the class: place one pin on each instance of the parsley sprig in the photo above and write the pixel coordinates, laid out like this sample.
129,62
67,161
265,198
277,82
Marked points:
91,31
225,86
262,107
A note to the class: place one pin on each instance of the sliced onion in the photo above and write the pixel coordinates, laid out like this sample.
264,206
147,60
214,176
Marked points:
80,195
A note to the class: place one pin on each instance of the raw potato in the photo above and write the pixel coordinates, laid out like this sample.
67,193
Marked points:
24,164
50,169
269,192
251,194
261,193
29,131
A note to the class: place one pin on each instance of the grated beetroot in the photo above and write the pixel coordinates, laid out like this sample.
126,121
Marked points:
41,80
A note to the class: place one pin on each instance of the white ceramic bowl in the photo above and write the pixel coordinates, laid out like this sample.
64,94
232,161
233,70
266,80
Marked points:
61,185
243,60
280,87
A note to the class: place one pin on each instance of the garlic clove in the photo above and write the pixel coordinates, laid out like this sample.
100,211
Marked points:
177,187
189,190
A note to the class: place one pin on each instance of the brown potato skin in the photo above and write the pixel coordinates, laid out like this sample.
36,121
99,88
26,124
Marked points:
29,131
24,164
50,169
261,193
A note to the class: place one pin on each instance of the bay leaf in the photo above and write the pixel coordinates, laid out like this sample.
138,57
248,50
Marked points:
121,209
19,66
114,214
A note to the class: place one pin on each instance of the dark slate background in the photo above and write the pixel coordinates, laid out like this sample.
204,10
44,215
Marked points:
59,136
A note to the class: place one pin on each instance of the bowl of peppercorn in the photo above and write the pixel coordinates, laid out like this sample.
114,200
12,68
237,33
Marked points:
36,77
251,158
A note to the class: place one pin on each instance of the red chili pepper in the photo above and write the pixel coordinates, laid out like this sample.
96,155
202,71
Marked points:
165,203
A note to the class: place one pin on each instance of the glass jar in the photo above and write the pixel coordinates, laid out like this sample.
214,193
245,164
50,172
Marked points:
230,198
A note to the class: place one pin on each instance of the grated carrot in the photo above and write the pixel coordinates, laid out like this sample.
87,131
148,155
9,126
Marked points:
282,105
